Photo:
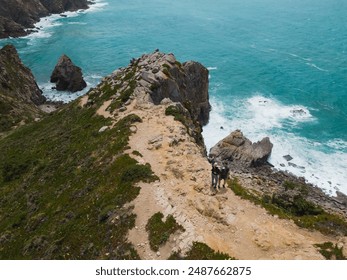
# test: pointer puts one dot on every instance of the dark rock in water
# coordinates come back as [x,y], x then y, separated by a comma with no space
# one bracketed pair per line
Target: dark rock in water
[288,157]
[299,112]
[67,76]
[295,165]
[242,151]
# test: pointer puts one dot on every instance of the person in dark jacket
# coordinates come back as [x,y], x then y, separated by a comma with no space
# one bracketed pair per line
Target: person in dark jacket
[215,175]
[224,172]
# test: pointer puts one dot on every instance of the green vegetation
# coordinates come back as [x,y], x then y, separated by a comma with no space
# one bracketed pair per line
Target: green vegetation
[64,187]
[159,231]
[180,114]
[304,213]
[201,251]
[137,153]
[107,91]
[331,251]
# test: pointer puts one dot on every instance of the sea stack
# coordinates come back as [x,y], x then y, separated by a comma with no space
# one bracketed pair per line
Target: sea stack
[67,76]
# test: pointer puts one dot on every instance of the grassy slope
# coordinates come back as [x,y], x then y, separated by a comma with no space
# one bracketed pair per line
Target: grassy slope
[63,186]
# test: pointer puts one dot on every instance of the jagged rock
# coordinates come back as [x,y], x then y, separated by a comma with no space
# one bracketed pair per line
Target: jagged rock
[67,76]
[166,78]
[242,151]
[288,157]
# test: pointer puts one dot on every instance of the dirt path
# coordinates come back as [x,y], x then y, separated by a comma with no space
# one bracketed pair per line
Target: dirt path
[223,221]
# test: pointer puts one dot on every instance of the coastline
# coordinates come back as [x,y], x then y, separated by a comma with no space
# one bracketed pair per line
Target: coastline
[14,29]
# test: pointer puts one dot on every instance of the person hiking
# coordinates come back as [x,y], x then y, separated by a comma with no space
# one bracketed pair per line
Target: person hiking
[224,172]
[215,175]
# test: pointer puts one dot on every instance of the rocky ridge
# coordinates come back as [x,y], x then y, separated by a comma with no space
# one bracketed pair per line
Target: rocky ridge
[17,16]
[159,78]
[220,219]
[20,96]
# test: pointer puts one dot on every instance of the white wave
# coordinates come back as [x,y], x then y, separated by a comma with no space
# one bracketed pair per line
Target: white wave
[298,56]
[338,144]
[97,6]
[258,117]
[53,95]
[326,170]
[315,66]
[212,68]
[44,28]
[269,113]
[77,23]
[64,96]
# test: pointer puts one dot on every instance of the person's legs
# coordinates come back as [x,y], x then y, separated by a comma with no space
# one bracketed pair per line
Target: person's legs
[214,180]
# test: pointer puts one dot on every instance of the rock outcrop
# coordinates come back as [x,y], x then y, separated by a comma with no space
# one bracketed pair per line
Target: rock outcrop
[159,77]
[19,93]
[67,76]
[241,151]
[17,16]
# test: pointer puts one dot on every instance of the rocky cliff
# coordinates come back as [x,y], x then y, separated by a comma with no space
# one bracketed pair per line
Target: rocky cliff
[19,93]
[17,16]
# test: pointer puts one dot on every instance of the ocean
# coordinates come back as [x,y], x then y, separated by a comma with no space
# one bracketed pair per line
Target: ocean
[278,68]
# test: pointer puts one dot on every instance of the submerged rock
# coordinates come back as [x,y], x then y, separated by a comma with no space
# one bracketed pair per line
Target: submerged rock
[67,76]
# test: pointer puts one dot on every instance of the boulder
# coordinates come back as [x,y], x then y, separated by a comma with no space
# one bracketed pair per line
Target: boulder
[67,76]
[237,148]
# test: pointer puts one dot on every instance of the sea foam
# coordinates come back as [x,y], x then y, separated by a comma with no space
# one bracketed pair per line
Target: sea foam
[322,164]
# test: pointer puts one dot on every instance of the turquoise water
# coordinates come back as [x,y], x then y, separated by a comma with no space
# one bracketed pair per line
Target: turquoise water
[277,68]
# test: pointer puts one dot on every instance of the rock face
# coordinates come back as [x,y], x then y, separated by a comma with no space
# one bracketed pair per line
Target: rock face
[19,93]
[242,151]
[161,77]
[16,16]
[67,76]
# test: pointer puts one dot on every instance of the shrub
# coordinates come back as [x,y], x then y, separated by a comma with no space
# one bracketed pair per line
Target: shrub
[159,231]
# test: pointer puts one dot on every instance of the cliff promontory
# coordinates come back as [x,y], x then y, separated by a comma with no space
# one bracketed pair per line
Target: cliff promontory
[19,93]
[17,16]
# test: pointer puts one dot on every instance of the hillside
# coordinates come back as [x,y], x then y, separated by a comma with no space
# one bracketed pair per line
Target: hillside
[122,173]
[17,16]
